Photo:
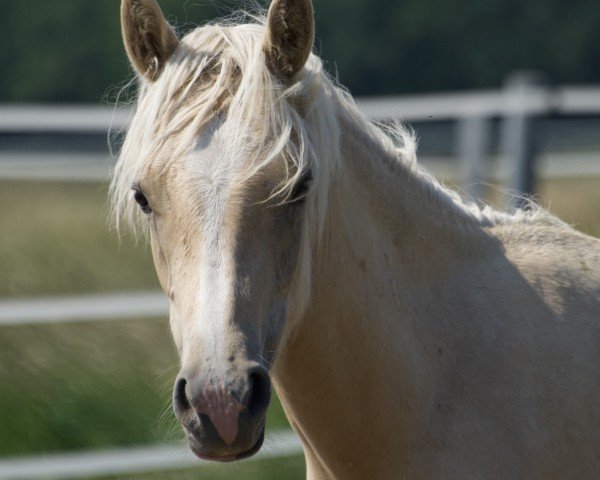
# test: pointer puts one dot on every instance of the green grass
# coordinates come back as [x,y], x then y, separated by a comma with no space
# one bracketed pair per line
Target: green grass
[55,240]
[71,387]
[107,384]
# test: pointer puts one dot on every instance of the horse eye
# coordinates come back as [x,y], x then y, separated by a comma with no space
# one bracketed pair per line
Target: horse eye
[301,189]
[142,201]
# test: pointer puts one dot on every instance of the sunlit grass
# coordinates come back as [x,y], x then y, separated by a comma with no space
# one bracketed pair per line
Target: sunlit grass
[574,200]
[55,240]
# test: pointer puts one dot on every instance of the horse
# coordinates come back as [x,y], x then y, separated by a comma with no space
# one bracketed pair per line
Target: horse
[408,333]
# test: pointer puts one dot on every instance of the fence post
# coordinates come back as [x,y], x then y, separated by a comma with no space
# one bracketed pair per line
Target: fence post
[517,142]
[474,139]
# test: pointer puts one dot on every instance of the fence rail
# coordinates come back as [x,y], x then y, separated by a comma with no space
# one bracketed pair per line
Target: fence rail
[530,99]
[128,460]
[522,98]
[83,308]
[61,119]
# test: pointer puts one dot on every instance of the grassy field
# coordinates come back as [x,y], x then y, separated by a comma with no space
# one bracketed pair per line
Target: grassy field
[83,386]
[70,387]
[55,239]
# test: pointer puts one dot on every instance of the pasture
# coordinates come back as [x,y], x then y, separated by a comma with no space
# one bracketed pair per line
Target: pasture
[109,383]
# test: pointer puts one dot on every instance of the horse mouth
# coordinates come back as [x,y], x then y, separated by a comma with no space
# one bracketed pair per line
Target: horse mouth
[230,458]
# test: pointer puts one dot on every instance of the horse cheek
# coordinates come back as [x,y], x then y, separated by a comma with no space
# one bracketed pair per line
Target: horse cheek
[160,264]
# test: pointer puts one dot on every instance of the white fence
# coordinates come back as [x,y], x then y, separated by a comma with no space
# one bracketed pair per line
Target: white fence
[473,112]
[83,308]
[530,99]
[127,460]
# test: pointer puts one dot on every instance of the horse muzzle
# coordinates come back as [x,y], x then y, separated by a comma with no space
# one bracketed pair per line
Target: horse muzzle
[223,418]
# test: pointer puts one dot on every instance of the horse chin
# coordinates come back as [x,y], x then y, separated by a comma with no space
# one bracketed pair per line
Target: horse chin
[228,458]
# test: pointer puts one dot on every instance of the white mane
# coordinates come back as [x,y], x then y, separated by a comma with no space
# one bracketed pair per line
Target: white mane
[222,67]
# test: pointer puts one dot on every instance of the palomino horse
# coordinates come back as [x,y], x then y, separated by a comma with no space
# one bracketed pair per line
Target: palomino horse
[408,334]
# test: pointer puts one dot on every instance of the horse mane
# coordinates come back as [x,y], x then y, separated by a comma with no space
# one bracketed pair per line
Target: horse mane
[221,68]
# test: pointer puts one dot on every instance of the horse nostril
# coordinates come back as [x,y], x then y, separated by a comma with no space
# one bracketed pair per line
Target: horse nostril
[259,391]
[181,404]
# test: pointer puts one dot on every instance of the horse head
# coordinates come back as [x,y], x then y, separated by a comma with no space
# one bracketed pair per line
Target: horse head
[221,166]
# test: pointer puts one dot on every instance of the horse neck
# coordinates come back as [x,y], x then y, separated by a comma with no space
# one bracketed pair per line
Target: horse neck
[359,361]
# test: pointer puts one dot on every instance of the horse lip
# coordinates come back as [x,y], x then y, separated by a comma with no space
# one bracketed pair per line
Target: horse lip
[231,458]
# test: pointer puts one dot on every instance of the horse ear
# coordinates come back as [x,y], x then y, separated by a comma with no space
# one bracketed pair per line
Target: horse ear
[290,36]
[149,40]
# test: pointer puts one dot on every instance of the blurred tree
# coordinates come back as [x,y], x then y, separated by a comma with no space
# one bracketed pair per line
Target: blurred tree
[70,50]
